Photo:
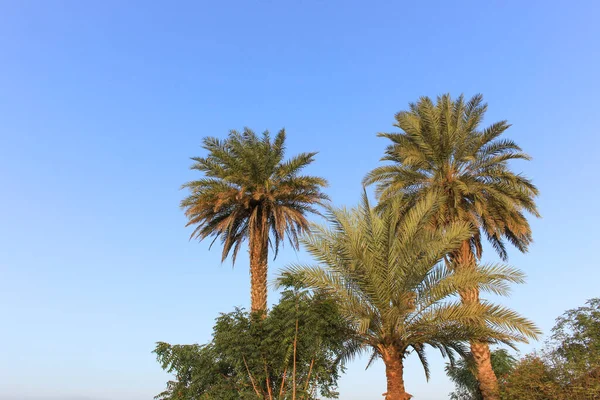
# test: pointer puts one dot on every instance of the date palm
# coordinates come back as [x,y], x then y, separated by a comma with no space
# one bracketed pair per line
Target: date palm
[442,149]
[385,270]
[250,192]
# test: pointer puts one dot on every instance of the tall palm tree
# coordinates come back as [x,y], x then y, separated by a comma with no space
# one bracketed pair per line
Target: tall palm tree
[442,149]
[250,192]
[385,270]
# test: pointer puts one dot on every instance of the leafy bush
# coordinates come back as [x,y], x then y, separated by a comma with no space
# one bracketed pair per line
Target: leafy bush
[531,379]
[295,352]
[569,367]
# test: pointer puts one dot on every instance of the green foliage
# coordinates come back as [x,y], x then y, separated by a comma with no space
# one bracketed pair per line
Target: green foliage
[250,357]
[569,367]
[532,379]
[442,149]
[248,185]
[462,373]
[575,341]
[384,270]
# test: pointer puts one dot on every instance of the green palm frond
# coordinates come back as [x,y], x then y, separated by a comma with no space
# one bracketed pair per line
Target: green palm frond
[248,183]
[389,278]
[441,148]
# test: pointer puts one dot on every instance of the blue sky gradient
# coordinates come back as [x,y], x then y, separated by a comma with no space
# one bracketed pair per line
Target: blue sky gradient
[103,103]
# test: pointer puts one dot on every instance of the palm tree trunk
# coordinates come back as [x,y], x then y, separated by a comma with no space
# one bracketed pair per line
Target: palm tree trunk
[394,370]
[488,382]
[259,253]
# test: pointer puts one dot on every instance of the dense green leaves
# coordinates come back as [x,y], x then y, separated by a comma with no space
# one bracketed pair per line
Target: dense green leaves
[301,344]
[533,379]
[575,340]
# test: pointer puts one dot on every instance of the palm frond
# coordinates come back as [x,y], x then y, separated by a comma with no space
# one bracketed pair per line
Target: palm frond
[441,148]
[388,275]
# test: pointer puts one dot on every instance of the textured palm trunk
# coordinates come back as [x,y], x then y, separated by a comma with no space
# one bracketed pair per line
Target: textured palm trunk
[394,371]
[488,382]
[259,253]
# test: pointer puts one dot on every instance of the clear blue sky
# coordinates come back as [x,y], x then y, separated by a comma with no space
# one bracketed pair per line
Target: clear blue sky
[102,103]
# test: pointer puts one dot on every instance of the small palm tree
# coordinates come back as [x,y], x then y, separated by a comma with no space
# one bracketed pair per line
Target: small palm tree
[441,149]
[385,271]
[250,192]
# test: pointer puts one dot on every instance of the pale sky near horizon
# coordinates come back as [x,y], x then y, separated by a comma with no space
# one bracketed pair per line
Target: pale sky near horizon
[103,102]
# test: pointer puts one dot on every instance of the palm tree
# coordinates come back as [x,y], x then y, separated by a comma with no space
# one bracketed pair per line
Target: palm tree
[385,272]
[442,149]
[250,192]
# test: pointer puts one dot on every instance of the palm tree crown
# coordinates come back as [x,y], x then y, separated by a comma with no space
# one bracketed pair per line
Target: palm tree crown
[250,192]
[441,148]
[385,270]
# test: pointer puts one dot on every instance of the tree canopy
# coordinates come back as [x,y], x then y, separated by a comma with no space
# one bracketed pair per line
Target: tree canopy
[298,351]
[442,148]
